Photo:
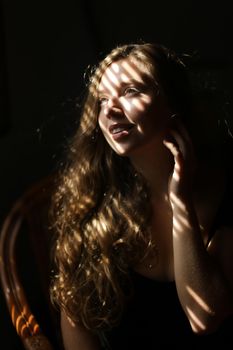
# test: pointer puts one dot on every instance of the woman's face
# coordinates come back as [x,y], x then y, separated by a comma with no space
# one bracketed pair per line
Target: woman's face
[133,113]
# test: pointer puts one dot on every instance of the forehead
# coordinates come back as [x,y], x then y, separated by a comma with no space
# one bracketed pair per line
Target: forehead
[124,71]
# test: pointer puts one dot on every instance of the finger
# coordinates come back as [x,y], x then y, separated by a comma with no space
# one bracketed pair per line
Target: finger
[173,148]
[177,159]
[184,144]
[177,124]
[179,142]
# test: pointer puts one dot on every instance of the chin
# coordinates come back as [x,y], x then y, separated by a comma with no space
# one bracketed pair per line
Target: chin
[129,152]
[122,152]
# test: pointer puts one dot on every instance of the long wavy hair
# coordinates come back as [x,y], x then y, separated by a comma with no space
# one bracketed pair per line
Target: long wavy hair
[101,207]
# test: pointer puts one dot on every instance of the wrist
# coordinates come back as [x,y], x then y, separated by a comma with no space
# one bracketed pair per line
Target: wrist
[182,200]
[184,212]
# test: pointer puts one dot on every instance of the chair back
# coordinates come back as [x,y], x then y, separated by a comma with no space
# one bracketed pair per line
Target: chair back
[25,268]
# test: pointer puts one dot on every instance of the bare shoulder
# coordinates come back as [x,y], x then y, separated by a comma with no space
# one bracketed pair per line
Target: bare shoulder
[76,337]
[220,247]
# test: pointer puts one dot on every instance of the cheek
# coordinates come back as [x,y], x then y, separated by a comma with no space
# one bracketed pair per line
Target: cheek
[157,113]
[137,109]
[103,126]
[101,122]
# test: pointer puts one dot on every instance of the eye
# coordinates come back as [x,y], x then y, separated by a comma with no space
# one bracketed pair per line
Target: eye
[103,101]
[131,91]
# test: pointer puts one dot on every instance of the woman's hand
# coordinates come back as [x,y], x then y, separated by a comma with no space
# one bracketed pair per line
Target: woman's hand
[179,143]
[203,277]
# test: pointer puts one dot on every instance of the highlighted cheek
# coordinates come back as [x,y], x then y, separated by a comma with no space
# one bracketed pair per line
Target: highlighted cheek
[139,105]
[126,105]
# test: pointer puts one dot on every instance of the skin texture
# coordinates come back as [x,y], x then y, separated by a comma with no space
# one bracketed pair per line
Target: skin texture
[137,122]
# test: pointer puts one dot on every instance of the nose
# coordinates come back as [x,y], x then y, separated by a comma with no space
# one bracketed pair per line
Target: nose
[113,108]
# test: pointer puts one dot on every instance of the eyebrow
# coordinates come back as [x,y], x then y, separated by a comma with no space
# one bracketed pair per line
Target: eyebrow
[123,84]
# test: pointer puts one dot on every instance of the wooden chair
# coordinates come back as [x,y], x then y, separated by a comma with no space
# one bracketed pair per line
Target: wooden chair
[25,268]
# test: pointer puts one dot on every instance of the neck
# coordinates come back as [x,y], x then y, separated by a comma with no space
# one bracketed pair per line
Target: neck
[155,163]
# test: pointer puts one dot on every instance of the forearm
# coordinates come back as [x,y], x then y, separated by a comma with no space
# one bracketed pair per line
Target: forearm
[202,289]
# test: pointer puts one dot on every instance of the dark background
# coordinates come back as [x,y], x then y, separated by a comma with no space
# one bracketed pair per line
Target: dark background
[45,47]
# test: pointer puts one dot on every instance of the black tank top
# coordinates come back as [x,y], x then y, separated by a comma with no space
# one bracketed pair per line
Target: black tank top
[154,319]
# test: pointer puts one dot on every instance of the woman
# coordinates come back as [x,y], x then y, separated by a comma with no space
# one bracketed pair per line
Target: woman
[142,254]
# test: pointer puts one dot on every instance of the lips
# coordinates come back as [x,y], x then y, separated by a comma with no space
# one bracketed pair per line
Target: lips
[119,128]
